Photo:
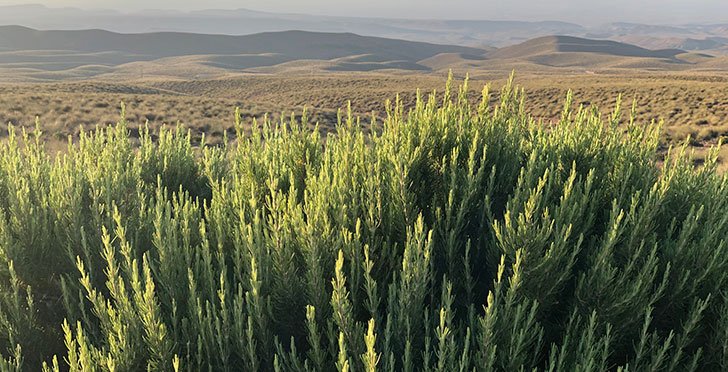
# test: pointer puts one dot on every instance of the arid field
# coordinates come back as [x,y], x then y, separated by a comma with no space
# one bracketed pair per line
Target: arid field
[689,104]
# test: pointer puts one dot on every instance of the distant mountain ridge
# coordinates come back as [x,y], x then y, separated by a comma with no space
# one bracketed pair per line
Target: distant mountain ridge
[473,33]
[295,44]
[712,43]
[26,53]
[245,21]
[89,53]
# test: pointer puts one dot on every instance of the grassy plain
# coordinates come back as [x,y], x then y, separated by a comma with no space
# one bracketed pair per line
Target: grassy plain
[690,103]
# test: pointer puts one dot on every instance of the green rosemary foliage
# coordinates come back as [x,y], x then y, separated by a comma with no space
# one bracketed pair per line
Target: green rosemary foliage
[447,237]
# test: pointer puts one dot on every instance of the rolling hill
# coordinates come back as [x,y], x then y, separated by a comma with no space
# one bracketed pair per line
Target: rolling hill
[59,54]
[556,53]
[474,33]
[708,44]
[478,33]
[296,44]
[35,55]
[569,44]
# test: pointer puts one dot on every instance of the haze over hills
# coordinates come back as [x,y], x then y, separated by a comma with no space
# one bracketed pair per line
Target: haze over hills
[298,44]
[28,54]
[244,21]
[39,43]
[96,52]
[460,32]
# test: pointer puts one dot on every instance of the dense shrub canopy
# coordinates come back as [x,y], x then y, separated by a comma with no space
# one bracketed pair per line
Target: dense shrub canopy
[446,238]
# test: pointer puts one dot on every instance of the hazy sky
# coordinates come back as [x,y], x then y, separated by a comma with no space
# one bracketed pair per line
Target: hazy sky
[580,11]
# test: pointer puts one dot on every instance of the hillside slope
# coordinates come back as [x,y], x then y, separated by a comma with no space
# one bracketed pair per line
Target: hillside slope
[28,54]
[244,21]
[296,44]
[569,44]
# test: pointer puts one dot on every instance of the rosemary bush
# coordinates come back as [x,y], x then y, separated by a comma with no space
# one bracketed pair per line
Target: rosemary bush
[449,237]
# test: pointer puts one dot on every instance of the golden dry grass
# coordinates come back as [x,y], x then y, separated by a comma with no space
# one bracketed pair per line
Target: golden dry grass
[691,104]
